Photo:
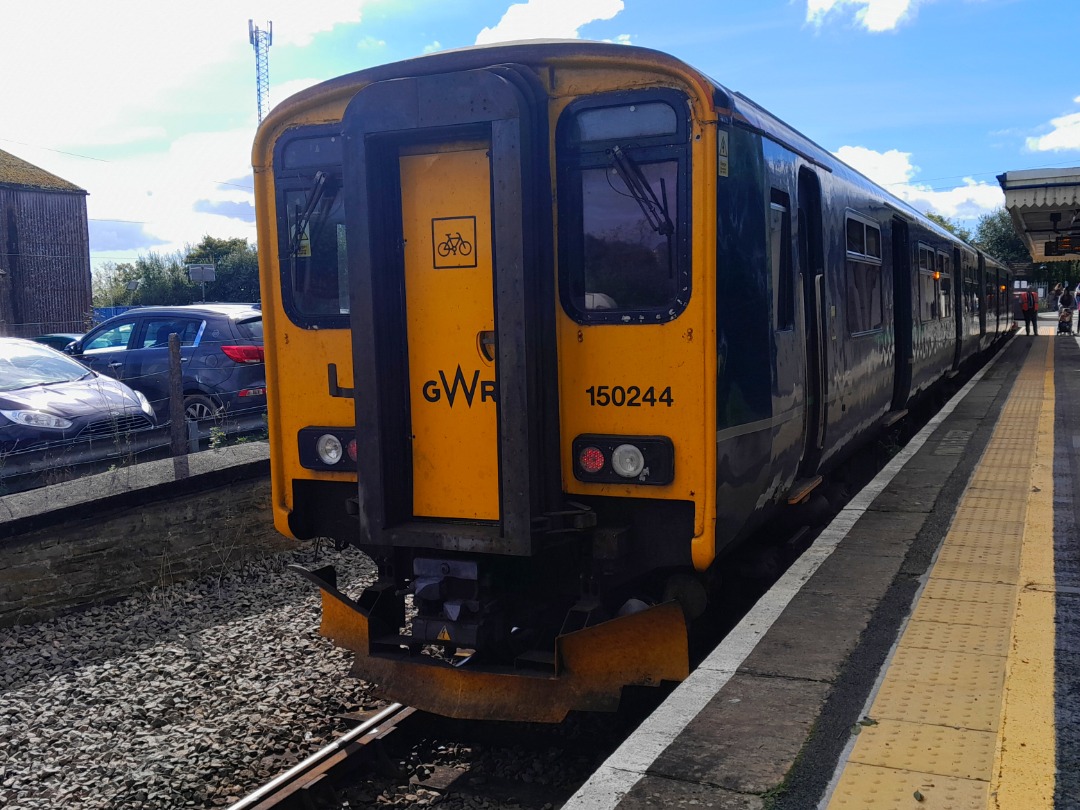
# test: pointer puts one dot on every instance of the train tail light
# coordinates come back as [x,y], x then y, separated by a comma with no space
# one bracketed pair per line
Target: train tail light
[591,460]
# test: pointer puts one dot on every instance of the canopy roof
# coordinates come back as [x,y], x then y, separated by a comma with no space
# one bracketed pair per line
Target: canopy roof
[1045,208]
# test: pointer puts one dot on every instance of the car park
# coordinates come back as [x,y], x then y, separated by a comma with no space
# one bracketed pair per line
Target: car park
[53,407]
[221,356]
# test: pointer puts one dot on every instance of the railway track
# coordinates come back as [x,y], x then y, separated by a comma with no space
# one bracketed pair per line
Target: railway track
[292,787]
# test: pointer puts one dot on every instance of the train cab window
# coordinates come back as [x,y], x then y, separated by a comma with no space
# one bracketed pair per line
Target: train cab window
[780,257]
[311,229]
[929,306]
[623,170]
[864,307]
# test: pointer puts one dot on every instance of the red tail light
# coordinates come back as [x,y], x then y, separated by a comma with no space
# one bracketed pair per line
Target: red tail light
[244,354]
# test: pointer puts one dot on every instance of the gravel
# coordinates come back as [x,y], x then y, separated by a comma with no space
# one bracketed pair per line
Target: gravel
[195,695]
[187,697]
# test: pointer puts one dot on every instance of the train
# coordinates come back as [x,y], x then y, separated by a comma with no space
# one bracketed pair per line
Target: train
[553,326]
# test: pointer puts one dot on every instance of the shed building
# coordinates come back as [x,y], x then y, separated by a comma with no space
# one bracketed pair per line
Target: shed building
[44,252]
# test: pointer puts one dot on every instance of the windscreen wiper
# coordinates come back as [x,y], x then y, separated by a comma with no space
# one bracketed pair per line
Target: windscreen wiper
[321,186]
[654,208]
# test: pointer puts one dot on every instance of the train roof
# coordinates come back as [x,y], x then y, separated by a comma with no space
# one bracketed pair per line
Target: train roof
[729,104]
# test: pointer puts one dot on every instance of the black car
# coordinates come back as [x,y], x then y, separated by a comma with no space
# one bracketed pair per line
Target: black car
[221,352]
[57,340]
[51,404]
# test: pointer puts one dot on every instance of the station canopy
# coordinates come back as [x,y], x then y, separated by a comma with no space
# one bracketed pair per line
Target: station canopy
[1045,208]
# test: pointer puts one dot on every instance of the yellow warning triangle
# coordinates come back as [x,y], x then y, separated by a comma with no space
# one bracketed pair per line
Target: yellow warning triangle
[444,635]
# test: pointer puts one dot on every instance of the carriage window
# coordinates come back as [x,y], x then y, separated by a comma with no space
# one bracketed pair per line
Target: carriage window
[622,212]
[864,306]
[780,255]
[929,306]
[945,286]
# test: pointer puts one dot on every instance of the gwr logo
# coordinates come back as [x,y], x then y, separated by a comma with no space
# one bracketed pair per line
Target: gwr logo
[435,389]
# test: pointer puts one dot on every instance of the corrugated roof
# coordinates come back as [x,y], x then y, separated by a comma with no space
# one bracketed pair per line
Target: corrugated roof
[1045,208]
[17,172]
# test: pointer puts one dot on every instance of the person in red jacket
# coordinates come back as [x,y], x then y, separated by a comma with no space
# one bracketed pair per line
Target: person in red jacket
[1029,305]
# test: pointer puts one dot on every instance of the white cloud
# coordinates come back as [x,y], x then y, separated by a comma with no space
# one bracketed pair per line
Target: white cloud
[161,192]
[1064,136]
[548,19]
[89,82]
[873,15]
[884,168]
[894,171]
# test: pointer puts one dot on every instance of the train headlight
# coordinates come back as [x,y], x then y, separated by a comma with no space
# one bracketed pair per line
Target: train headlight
[328,446]
[627,461]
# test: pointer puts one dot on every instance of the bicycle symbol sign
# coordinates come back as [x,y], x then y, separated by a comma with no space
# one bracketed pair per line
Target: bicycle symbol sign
[453,242]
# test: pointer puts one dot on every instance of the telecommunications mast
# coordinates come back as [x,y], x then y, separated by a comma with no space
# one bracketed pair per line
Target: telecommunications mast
[261,41]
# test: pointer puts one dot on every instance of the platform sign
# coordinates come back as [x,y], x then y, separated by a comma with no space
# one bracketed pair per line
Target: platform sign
[1064,245]
[201,272]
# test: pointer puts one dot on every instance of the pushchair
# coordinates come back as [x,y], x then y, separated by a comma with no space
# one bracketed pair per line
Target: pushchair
[1065,318]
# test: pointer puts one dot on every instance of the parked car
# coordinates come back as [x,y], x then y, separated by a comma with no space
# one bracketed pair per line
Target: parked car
[221,351]
[58,340]
[52,403]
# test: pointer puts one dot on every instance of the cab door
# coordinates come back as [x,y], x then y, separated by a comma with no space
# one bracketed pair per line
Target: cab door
[450,323]
[452,290]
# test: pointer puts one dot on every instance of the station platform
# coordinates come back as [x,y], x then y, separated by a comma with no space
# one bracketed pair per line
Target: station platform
[924,652]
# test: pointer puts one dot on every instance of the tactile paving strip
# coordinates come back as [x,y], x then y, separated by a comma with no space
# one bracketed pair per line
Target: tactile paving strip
[941,750]
[972,638]
[869,787]
[939,707]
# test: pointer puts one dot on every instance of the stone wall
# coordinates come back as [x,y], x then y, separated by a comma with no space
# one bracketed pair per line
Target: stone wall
[108,536]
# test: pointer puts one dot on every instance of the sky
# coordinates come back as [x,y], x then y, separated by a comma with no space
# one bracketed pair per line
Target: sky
[152,109]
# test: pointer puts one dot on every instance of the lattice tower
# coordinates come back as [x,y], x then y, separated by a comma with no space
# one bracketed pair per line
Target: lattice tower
[261,41]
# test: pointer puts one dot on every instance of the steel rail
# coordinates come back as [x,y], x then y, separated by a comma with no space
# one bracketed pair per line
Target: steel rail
[318,764]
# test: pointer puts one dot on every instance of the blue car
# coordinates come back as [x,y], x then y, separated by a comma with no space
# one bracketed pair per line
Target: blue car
[221,352]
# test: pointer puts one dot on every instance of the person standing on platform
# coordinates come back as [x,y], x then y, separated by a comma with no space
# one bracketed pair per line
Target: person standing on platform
[1066,308]
[1029,305]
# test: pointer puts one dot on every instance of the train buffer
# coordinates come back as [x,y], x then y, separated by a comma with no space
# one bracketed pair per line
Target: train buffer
[924,652]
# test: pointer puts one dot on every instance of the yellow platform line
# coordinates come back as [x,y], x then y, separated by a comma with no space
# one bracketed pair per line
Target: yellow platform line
[949,726]
[1024,765]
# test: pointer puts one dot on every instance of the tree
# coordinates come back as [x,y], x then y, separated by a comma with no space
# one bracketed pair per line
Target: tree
[163,279]
[237,268]
[955,228]
[996,235]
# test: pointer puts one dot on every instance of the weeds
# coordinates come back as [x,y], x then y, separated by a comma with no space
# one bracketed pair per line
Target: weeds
[218,437]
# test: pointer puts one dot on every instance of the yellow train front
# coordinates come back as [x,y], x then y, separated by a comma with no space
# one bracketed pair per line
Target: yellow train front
[536,315]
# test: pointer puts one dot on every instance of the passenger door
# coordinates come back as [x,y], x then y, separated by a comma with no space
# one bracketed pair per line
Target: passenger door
[812,279]
[903,318]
